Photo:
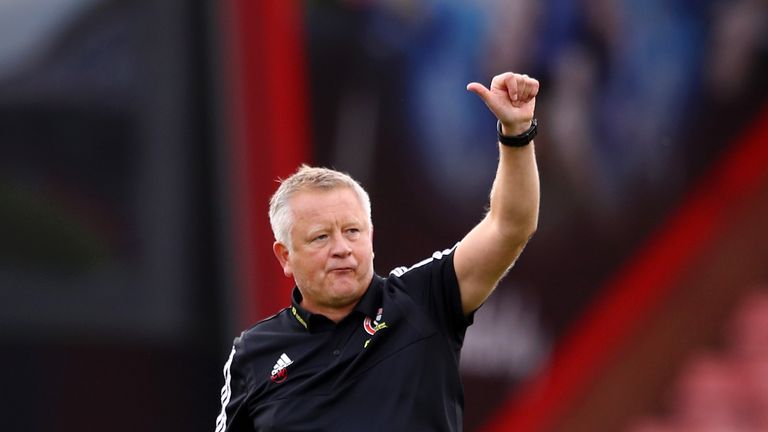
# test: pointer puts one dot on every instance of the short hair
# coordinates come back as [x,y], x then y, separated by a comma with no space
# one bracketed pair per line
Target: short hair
[308,178]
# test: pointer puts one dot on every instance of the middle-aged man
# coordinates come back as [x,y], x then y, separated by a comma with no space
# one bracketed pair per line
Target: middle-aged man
[359,352]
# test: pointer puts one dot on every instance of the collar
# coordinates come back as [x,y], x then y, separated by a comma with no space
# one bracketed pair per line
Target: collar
[368,305]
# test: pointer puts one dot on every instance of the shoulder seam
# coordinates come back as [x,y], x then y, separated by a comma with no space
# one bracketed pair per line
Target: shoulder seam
[399,271]
[262,321]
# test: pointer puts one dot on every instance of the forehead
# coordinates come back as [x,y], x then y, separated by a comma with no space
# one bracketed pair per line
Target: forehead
[319,203]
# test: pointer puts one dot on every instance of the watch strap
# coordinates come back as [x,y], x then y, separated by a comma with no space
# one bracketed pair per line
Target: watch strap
[518,140]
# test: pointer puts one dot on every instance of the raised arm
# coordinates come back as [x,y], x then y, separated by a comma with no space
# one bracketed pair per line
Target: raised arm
[488,251]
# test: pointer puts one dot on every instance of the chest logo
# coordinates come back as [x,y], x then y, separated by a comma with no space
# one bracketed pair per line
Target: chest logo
[279,371]
[372,326]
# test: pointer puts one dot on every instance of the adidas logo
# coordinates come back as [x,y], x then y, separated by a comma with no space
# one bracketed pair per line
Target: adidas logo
[279,373]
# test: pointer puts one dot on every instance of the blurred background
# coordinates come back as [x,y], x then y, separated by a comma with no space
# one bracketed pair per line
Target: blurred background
[141,140]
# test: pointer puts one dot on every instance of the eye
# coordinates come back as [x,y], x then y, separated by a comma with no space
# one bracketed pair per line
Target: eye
[320,237]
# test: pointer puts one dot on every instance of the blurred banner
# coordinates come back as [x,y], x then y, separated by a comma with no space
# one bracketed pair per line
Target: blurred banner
[97,176]
[108,261]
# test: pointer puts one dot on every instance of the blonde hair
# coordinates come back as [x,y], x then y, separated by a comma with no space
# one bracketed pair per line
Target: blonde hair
[308,178]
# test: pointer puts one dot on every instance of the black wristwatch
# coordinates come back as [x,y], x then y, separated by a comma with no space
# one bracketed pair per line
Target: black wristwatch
[518,140]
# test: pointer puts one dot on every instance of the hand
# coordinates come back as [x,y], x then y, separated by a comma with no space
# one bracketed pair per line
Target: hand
[512,99]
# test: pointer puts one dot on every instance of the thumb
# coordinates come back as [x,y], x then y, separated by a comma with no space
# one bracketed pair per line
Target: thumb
[479,90]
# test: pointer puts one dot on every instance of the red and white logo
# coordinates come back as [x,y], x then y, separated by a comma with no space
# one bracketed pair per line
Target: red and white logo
[279,371]
[376,325]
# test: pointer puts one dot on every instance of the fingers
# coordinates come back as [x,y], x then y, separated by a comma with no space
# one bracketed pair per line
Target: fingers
[532,88]
[513,87]
[510,96]
[521,88]
[505,83]
[518,87]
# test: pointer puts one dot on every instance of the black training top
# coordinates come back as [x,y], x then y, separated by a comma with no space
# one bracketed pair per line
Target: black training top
[391,365]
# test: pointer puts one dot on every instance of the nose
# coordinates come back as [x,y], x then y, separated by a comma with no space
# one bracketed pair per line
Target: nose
[340,246]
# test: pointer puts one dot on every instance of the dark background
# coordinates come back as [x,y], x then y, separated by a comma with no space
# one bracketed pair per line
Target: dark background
[117,276]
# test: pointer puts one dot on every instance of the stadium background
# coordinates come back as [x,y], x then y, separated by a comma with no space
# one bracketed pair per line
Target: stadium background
[140,140]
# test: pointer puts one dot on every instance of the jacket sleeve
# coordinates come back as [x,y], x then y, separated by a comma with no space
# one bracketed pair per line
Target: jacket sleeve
[433,284]
[234,411]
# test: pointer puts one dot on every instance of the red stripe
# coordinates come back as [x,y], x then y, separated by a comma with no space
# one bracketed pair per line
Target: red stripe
[269,127]
[637,289]
[286,129]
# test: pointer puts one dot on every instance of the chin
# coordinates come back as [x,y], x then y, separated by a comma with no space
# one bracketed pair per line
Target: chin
[346,291]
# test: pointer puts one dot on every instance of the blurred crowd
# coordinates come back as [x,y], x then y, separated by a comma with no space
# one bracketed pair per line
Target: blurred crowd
[722,390]
[622,81]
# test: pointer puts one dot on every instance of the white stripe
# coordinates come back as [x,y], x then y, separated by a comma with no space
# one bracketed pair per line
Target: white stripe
[399,271]
[226,393]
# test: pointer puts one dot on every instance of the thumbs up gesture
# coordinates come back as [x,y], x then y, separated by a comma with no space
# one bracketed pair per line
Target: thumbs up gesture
[511,98]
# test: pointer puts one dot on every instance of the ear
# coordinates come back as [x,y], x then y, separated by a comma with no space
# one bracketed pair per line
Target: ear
[283,256]
[373,254]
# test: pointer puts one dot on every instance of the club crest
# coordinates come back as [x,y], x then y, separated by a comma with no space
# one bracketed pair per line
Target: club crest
[372,326]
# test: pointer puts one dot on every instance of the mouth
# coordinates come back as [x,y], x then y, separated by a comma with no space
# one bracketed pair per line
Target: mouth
[341,270]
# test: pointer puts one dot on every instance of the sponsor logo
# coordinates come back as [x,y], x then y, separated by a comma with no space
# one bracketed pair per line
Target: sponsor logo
[298,317]
[279,371]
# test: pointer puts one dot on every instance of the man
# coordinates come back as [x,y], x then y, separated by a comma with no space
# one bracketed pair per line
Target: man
[358,352]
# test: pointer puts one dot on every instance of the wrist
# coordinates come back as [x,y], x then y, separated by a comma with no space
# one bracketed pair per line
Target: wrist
[513,129]
[519,139]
